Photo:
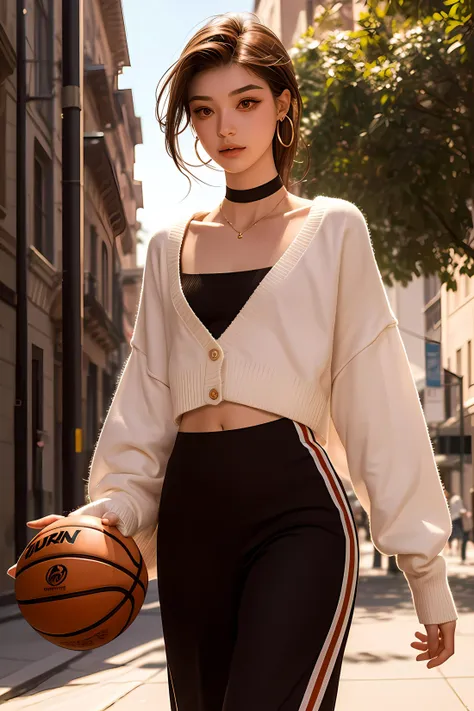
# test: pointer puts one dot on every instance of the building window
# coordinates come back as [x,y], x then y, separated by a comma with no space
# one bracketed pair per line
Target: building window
[451,444]
[433,315]
[3,148]
[107,392]
[93,259]
[451,394]
[459,362]
[37,411]
[92,419]
[43,204]
[455,301]
[431,287]
[93,252]
[43,48]
[91,274]
[105,277]
[469,363]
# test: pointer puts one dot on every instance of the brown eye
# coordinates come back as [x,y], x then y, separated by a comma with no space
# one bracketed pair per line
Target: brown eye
[205,108]
[251,101]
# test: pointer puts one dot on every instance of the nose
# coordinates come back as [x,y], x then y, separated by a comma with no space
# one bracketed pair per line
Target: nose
[224,127]
[223,132]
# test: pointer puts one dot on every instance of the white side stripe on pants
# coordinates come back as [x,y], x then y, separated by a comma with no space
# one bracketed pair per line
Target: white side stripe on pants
[325,664]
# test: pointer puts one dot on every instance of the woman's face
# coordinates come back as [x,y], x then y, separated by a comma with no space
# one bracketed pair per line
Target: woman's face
[226,114]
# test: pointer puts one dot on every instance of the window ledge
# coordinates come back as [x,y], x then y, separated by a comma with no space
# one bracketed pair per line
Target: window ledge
[42,267]
[7,242]
[7,55]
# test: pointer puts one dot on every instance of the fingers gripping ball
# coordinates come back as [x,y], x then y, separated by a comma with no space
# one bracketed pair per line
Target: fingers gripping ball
[80,584]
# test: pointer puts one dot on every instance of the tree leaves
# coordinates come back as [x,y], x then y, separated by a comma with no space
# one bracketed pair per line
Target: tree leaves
[389,117]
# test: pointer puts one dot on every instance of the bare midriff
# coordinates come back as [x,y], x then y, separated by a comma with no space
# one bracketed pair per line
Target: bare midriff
[224,416]
[202,252]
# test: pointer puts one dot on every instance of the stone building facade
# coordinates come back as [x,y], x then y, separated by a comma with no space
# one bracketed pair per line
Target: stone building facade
[111,199]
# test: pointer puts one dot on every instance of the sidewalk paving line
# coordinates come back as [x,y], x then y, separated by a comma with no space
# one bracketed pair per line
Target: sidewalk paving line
[32,674]
[9,612]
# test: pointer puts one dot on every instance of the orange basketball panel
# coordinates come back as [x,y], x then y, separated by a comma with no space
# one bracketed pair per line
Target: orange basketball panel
[59,577]
[71,614]
[102,633]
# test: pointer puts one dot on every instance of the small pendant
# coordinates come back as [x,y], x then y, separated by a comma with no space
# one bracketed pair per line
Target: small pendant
[239,236]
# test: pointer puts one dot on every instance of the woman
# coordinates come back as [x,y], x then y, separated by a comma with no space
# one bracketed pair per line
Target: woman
[264,342]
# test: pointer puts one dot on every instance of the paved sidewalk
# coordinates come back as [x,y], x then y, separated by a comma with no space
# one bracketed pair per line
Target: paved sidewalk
[95,680]
[379,672]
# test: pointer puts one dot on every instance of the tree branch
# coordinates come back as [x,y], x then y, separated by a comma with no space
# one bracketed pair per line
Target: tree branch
[454,237]
[442,117]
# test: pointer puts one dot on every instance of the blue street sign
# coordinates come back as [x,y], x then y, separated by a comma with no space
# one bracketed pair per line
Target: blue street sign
[433,364]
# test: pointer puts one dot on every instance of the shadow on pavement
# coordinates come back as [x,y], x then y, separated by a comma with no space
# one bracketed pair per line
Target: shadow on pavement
[141,646]
[386,595]
[382,597]
[462,587]
[367,658]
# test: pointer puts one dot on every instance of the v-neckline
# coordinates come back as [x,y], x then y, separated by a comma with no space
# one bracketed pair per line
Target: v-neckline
[274,276]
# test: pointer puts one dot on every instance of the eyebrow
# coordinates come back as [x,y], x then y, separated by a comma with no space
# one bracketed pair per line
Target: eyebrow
[231,93]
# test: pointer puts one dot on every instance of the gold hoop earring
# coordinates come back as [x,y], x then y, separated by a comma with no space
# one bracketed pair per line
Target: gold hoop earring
[286,145]
[196,152]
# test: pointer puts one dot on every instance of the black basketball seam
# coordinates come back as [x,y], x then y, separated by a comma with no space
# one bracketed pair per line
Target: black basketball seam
[81,555]
[126,597]
[78,593]
[93,528]
[131,591]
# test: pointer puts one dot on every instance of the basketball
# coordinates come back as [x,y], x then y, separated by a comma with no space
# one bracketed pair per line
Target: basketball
[80,584]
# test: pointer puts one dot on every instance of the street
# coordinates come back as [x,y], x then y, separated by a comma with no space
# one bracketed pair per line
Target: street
[379,671]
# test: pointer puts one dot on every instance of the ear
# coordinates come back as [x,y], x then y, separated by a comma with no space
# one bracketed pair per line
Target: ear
[283,103]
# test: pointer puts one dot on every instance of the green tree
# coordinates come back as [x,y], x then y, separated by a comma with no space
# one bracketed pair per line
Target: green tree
[389,115]
[454,16]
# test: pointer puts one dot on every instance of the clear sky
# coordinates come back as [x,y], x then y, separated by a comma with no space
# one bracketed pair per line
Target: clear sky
[157,32]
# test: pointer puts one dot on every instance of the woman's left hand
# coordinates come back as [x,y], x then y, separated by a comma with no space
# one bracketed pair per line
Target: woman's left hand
[437,644]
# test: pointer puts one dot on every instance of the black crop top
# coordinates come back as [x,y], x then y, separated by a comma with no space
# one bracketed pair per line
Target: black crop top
[217,298]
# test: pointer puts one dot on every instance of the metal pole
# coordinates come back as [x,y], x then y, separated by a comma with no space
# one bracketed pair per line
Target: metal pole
[21,359]
[72,248]
[461,432]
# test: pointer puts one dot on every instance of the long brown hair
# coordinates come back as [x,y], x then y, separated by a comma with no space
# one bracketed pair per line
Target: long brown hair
[232,38]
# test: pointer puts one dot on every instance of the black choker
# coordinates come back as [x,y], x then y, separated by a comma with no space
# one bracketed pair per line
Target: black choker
[258,193]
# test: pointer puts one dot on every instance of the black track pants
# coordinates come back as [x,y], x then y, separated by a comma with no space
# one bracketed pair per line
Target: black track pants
[257,570]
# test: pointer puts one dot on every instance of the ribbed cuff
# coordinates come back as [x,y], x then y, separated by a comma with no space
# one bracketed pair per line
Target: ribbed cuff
[128,523]
[432,598]
[146,542]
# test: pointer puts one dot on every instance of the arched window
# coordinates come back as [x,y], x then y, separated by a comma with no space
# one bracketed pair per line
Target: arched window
[105,277]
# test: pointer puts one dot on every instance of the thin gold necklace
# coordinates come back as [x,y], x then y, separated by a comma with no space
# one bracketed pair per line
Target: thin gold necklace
[241,232]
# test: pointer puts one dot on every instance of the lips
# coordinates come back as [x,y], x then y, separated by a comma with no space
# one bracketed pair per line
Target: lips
[233,148]
[232,153]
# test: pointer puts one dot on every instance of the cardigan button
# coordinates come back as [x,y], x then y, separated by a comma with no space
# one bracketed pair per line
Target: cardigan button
[214,354]
[213,394]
